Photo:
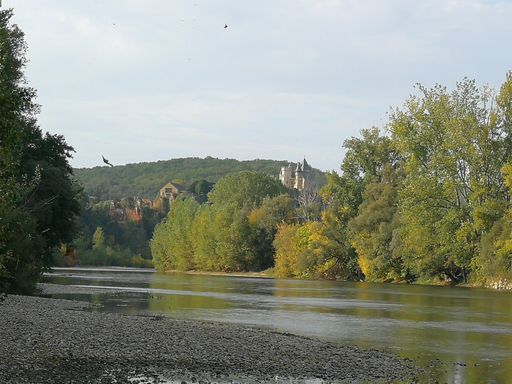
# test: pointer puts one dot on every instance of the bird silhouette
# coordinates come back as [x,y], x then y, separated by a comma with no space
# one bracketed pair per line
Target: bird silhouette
[225,26]
[106,161]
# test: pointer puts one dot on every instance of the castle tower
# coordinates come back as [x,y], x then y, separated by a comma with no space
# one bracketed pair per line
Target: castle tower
[287,176]
[296,177]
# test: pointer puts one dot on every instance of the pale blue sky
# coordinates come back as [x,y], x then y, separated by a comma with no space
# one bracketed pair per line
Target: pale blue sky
[152,80]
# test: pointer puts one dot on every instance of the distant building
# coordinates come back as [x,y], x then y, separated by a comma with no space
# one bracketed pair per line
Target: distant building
[128,209]
[167,194]
[297,176]
[171,191]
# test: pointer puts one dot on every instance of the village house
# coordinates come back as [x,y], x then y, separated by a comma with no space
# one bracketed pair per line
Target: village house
[171,191]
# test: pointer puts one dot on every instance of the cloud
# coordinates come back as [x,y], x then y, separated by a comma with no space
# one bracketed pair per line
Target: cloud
[151,79]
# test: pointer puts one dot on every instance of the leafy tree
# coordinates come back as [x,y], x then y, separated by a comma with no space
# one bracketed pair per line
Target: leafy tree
[98,239]
[200,190]
[231,233]
[20,242]
[309,250]
[39,197]
[245,189]
[264,222]
[364,163]
[289,251]
[172,243]
[203,233]
[493,265]
[453,148]
[373,230]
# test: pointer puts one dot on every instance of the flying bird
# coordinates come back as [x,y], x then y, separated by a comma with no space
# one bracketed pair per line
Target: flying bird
[225,26]
[106,161]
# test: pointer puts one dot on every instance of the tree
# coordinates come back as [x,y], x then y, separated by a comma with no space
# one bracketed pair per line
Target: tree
[373,230]
[264,222]
[172,245]
[98,238]
[493,265]
[20,242]
[39,197]
[365,160]
[200,190]
[309,204]
[454,145]
[288,251]
[245,189]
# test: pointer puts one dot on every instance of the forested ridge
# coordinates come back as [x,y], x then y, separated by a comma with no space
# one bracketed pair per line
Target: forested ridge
[145,179]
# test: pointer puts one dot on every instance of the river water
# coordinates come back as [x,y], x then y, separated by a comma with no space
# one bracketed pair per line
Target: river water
[464,335]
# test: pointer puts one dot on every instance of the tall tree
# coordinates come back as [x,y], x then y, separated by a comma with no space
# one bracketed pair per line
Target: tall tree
[454,146]
[364,162]
[39,196]
[245,189]
[373,230]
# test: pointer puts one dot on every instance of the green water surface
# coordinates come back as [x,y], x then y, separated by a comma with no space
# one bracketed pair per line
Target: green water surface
[463,335]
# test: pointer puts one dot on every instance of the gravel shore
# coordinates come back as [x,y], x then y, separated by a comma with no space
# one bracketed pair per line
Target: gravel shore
[60,341]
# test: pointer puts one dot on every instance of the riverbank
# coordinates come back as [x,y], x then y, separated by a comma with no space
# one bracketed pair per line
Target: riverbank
[53,340]
[260,275]
[501,285]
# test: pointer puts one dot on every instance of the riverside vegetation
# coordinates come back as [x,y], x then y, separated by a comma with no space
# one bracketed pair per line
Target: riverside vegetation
[38,197]
[428,199]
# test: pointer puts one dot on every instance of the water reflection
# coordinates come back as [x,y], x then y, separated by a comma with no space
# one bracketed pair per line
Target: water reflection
[468,330]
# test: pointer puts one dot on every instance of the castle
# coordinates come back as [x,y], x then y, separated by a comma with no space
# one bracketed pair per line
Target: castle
[297,176]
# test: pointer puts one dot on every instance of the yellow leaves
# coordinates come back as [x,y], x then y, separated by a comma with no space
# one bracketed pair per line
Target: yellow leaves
[362,244]
[364,264]
[306,251]
[256,216]
[287,250]
[504,247]
[506,171]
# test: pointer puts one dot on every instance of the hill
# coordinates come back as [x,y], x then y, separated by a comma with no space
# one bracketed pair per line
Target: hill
[145,179]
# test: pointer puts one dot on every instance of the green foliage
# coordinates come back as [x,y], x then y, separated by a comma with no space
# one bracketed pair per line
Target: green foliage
[38,203]
[431,201]
[454,146]
[289,251]
[364,164]
[428,202]
[233,232]
[98,228]
[107,254]
[20,245]
[200,190]
[172,245]
[494,262]
[264,222]
[373,229]
[98,239]
[310,250]
[145,179]
[493,265]
[245,189]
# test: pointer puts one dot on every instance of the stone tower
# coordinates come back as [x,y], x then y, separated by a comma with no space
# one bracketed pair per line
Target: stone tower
[296,176]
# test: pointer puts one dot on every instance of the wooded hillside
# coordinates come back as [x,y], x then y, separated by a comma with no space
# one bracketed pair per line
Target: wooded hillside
[145,179]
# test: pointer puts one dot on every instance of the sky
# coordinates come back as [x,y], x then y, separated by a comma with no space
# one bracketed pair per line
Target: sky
[148,80]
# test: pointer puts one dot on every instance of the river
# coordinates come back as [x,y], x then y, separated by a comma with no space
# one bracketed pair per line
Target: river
[464,335]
